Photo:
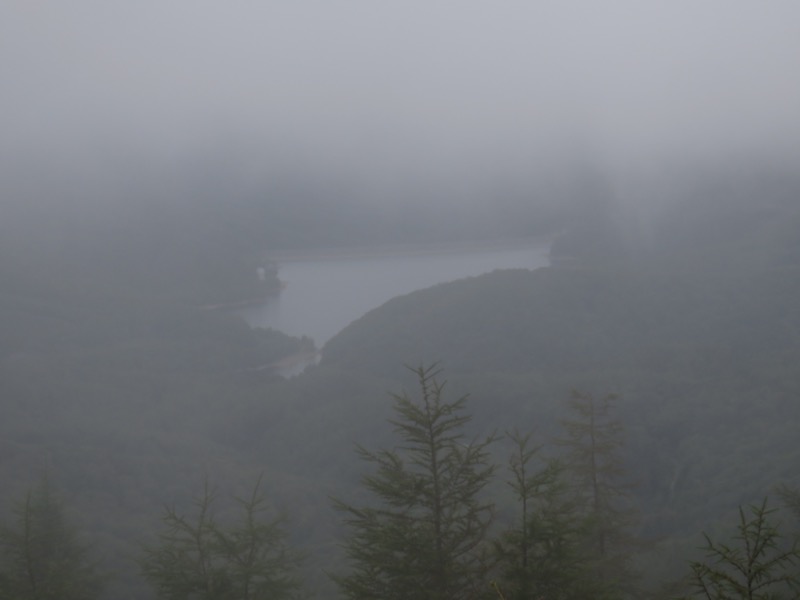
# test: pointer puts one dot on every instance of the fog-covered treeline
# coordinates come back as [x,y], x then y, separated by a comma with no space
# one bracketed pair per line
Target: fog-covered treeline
[156,157]
[130,402]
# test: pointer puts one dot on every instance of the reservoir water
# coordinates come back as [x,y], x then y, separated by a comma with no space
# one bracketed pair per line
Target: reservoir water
[324,294]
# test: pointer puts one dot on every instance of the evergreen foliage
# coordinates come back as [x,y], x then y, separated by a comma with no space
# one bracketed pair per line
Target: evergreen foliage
[199,558]
[41,557]
[136,394]
[759,566]
[425,534]
[592,440]
[791,498]
[542,555]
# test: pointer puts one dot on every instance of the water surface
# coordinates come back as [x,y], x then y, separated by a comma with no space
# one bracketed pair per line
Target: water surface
[325,294]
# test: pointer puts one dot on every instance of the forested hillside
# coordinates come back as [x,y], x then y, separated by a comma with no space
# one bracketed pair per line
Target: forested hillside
[695,326]
[224,374]
[129,393]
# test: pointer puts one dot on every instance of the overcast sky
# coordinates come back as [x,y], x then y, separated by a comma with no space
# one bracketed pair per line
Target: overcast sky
[401,88]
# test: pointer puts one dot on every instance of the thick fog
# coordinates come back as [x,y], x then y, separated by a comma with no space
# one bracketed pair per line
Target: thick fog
[187,187]
[400,100]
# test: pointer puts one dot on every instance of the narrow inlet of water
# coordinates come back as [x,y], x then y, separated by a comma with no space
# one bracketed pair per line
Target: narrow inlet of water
[323,295]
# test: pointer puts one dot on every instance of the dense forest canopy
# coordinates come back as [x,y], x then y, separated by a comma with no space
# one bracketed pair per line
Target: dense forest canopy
[120,382]
[620,424]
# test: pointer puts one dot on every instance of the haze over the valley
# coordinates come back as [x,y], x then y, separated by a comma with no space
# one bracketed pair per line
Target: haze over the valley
[583,214]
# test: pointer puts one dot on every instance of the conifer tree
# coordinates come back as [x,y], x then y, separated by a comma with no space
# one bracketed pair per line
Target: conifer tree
[41,556]
[592,440]
[791,498]
[759,566]
[423,536]
[197,557]
[542,555]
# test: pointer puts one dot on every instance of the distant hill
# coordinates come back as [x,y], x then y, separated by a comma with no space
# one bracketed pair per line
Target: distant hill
[698,331]
[737,292]
[114,379]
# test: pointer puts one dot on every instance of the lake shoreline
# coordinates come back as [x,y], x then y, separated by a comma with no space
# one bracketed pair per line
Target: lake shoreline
[328,293]
[401,250]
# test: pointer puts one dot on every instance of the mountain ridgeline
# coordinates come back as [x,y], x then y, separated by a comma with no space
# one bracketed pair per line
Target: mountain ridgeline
[696,328]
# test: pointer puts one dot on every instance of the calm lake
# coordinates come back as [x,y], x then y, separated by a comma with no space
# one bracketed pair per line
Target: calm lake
[324,294]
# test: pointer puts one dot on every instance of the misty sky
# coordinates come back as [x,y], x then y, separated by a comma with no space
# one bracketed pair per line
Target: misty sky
[400,89]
